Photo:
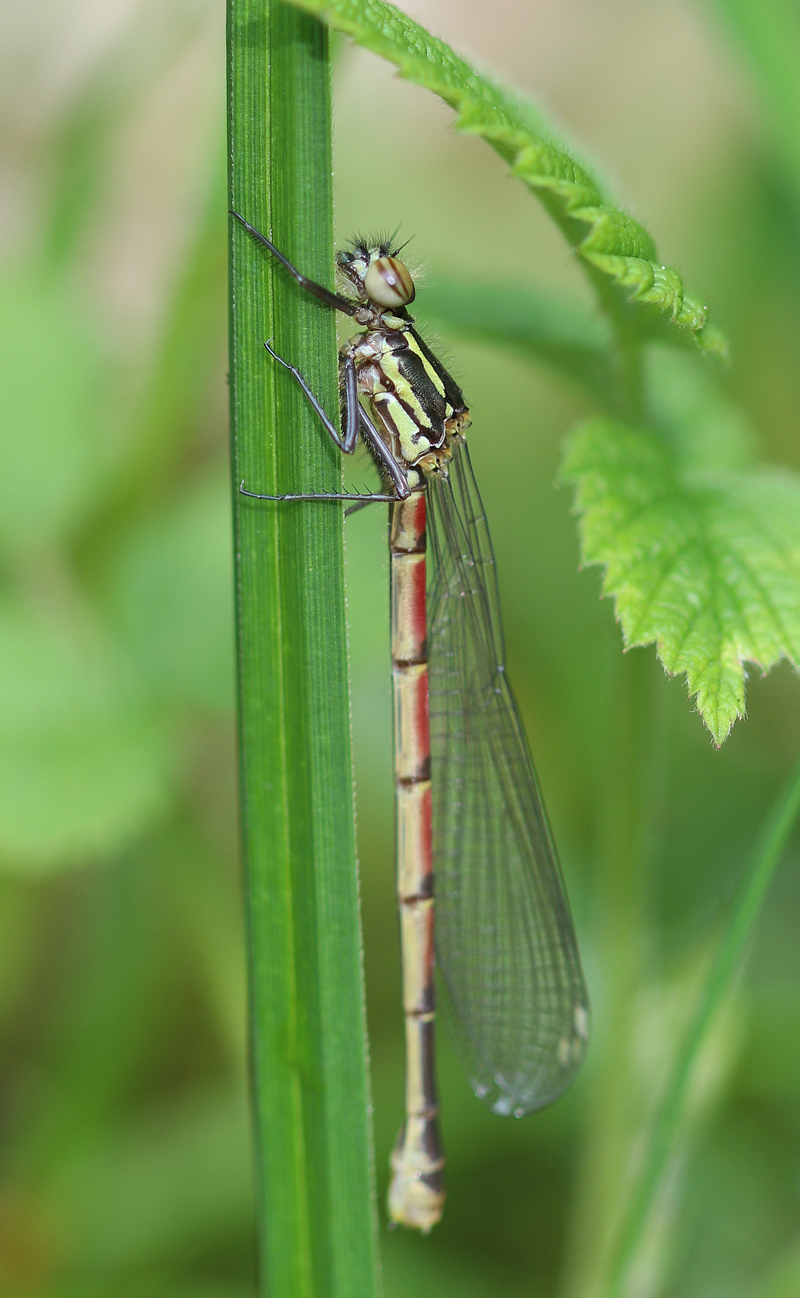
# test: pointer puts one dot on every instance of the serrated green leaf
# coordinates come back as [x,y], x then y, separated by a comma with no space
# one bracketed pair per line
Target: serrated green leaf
[707,566]
[616,250]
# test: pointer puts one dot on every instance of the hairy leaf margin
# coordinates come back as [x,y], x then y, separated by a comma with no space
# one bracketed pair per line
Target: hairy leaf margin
[704,565]
[617,252]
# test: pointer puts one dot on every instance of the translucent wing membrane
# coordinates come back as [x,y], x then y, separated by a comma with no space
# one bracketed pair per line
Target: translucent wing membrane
[505,946]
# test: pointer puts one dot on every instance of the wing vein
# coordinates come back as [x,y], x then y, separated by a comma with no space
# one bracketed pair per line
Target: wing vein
[515,996]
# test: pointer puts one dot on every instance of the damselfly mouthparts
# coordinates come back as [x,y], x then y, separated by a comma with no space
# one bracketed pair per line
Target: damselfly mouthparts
[468,805]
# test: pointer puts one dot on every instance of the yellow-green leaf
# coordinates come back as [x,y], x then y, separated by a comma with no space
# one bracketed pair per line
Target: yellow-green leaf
[706,565]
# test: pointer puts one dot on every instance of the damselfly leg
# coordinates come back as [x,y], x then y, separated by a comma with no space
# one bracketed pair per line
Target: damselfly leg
[346,444]
[355,416]
[324,294]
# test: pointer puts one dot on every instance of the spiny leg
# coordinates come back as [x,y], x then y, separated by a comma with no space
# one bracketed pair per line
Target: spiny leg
[335,300]
[347,444]
[355,417]
[323,495]
[382,453]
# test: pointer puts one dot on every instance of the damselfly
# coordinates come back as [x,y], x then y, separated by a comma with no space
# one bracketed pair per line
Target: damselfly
[468,807]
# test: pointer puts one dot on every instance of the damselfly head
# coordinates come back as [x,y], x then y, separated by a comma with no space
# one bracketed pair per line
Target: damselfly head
[377,274]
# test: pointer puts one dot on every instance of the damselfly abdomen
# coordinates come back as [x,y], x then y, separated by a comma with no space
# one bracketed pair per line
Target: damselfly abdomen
[469,813]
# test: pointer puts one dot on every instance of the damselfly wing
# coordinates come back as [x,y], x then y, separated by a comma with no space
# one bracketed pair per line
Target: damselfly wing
[505,944]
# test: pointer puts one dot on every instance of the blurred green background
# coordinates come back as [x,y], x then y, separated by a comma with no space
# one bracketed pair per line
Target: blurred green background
[125,1163]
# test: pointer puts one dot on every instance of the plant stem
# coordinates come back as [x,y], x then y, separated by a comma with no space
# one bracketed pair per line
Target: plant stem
[622,900]
[769,848]
[316,1215]
[627,345]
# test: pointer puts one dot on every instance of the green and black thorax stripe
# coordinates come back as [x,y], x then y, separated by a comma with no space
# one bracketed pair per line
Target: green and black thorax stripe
[415,400]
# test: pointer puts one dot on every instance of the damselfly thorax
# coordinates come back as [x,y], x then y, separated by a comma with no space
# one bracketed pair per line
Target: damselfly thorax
[468,806]
[416,404]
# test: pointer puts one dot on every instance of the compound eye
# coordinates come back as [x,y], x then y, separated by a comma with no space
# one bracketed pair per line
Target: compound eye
[389,283]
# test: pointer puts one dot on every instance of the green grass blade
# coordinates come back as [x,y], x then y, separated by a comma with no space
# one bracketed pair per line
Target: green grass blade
[313,1151]
[766,856]
[769,33]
